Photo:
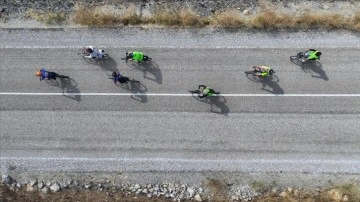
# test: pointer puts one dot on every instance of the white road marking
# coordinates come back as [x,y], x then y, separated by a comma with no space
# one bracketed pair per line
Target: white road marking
[177,95]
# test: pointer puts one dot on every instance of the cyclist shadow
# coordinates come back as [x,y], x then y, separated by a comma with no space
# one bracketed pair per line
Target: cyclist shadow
[316,67]
[108,64]
[271,82]
[148,68]
[218,105]
[69,86]
[138,89]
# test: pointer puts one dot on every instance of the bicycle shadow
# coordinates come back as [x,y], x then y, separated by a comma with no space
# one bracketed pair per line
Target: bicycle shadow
[218,105]
[271,82]
[69,86]
[148,67]
[108,64]
[316,67]
[138,89]
[312,66]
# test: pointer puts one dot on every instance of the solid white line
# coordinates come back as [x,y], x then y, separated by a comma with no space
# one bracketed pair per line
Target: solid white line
[180,95]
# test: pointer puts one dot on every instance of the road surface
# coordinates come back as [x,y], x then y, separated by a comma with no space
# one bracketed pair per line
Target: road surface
[304,119]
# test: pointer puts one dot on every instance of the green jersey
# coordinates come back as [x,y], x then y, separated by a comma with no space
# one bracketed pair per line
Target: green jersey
[138,56]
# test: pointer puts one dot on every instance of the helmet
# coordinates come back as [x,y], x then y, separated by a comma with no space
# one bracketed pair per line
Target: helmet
[38,73]
[271,71]
[318,53]
[89,50]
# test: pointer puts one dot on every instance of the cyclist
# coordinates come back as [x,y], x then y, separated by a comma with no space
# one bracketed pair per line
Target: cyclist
[43,74]
[205,91]
[94,52]
[136,56]
[263,70]
[118,78]
[312,54]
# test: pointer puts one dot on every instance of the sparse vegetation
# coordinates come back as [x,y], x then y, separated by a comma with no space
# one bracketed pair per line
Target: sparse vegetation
[49,18]
[266,17]
[229,19]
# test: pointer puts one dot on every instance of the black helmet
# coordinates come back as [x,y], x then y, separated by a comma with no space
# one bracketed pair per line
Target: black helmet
[318,54]
[271,71]
[89,50]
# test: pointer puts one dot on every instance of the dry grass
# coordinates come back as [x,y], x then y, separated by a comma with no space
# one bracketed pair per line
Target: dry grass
[93,17]
[267,16]
[183,17]
[229,19]
[48,18]
[269,19]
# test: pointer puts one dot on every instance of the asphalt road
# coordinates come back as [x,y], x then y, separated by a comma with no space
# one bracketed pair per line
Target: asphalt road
[304,119]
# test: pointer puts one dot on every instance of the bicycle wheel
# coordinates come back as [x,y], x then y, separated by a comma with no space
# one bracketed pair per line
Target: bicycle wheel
[252,76]
[194,91]
[134,81]
[62,76]
[296,60]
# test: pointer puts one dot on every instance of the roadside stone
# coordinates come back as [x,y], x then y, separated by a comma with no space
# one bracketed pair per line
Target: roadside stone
[149,195]
[335,194]
[41,185]
[55,187]
[18,185]
[283,194]
[145,191]
[197,197]
[45,190]
[191,192]
[6,179]
[87,186]
[181,196]
[290,190]
[64,185]
[274,190]
[296,192]
[32,182]
[137,186]
[345,198]
[29,188]
[48,184]
[234,198]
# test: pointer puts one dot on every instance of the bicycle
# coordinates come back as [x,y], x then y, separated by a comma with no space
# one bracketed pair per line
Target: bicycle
[145,58]
[83,53]
[256,76]
[124,79]
[300,57]
[61,76]
[198,92]
[43,74]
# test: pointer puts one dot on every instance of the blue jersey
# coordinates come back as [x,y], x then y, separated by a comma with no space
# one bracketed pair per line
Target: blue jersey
[44,74]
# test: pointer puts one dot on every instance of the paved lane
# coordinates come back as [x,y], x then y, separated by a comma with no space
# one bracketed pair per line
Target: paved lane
[177,133]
